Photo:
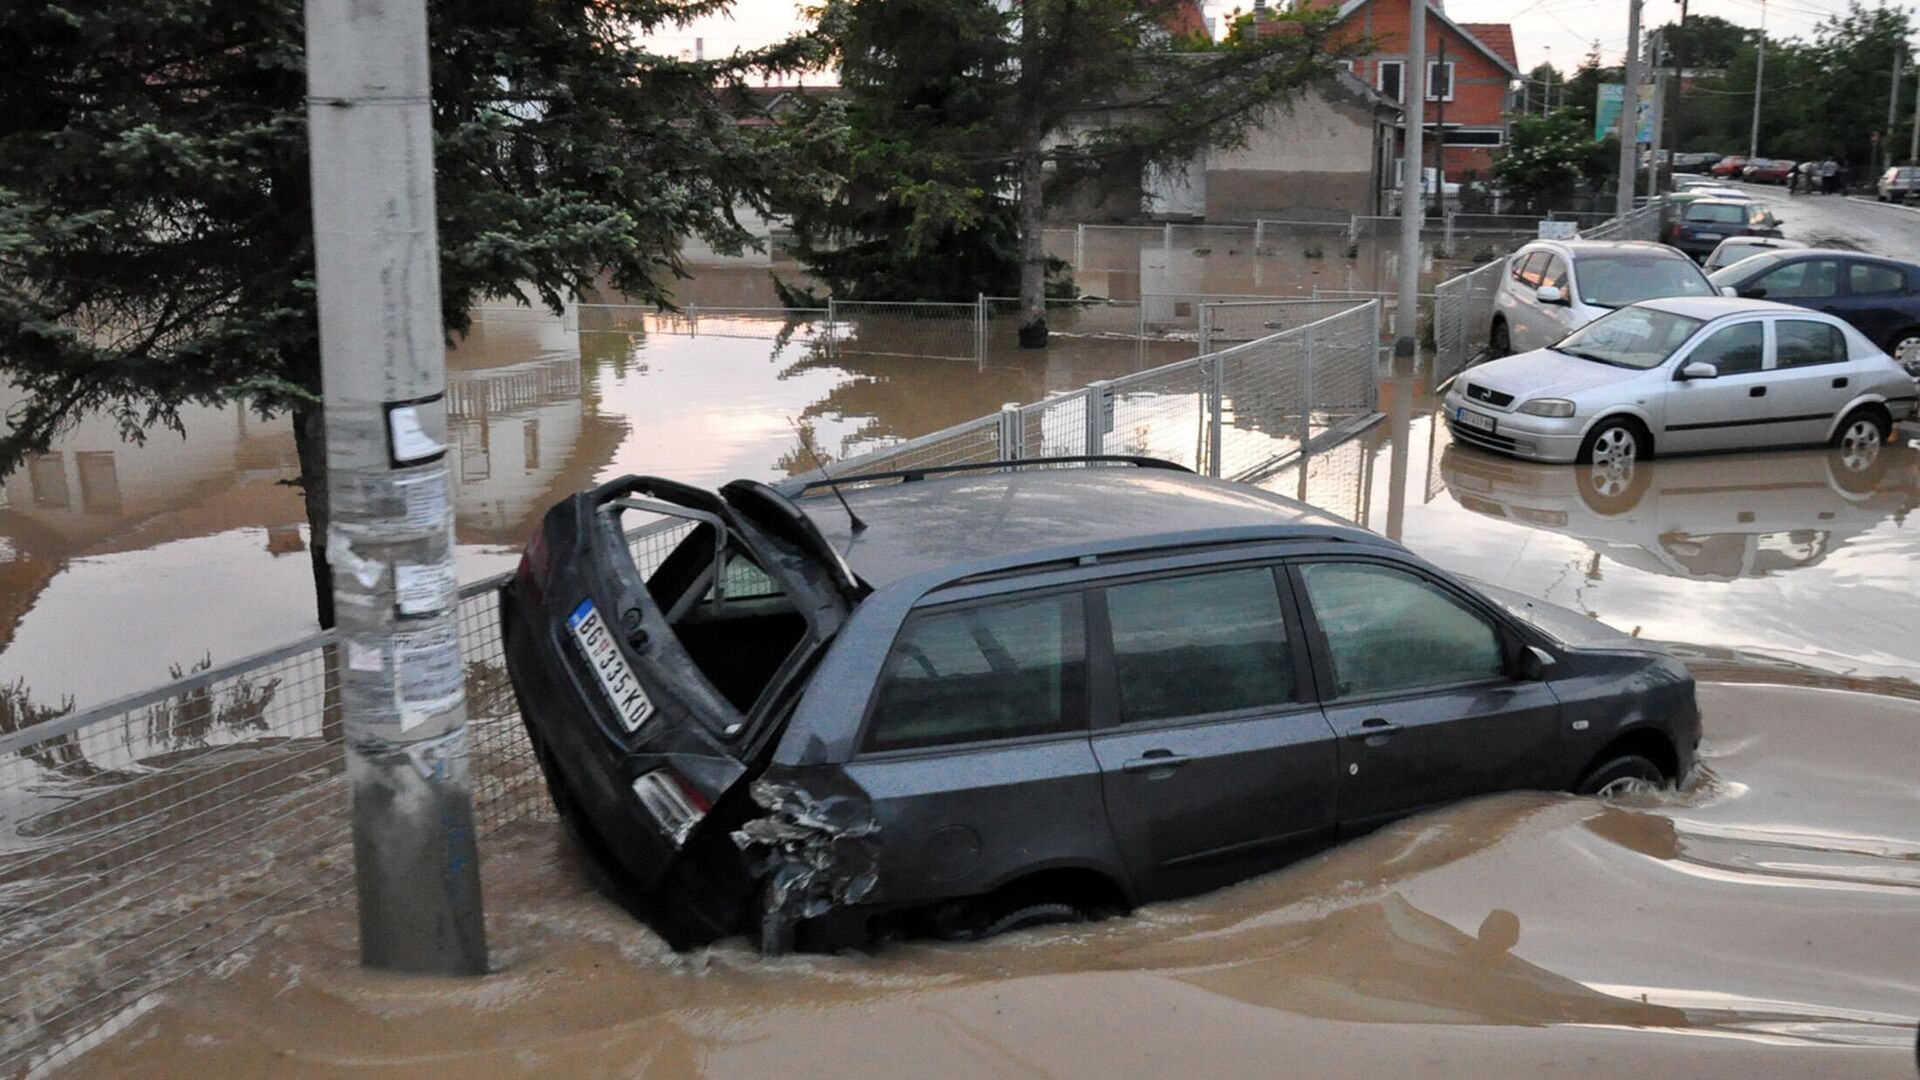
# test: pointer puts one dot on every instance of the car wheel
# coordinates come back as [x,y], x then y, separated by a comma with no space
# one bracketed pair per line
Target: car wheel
[1499,340]
[1614,442]
[1032,915]
[1905,348]
[1861,434]
[1623,775]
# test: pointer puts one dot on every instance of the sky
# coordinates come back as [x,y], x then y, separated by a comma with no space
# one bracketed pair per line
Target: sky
[1556,31]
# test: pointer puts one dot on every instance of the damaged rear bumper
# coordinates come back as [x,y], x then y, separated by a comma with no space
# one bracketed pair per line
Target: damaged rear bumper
[815,855]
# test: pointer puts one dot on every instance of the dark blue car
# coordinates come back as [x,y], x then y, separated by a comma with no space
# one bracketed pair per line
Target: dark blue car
[1879,297]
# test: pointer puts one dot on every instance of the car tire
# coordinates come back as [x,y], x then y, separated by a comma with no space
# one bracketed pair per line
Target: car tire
[1618,776]
[1617,439]
[1499,340]
[1906,341]
[1032,915]
[1862,427]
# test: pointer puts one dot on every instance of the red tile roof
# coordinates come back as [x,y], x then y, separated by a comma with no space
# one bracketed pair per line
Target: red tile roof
[1495,36]
[1186,20]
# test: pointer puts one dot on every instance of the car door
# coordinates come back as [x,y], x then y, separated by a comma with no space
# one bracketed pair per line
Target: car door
[1557,320]
[1212,752]
[1523,311]
[1812,380]
[974,751]
[1876,299]
[1418,680]
[1725,411]
[1808,283]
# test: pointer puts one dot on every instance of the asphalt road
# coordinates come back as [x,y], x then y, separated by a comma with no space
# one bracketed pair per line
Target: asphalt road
[1839,221]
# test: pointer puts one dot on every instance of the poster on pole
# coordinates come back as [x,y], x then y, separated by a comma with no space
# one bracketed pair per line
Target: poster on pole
[1606,118]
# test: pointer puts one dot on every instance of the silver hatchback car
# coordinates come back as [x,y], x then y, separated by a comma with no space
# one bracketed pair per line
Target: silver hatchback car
[1680,375]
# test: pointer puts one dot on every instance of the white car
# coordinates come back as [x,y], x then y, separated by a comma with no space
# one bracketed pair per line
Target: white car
[1554,287]
[1735,248]
[1684,374]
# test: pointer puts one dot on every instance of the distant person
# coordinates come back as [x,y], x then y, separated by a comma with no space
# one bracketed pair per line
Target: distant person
[1829,176]
[1846,177]
[1793,178]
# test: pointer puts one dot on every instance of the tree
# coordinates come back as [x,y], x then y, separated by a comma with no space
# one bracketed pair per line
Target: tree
[155,228]
[1051,96]
[1546,157]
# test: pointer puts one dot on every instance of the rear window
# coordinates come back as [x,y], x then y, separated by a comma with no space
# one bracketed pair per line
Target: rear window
[1201,644]
[1717,213]
[1875,279]
[1803,343]
[1619,280]
[986,671]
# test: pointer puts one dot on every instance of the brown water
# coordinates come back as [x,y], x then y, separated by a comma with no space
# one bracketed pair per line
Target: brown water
[1765,922]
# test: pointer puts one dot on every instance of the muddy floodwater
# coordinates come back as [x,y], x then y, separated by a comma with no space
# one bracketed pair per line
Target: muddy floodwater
[1764,922]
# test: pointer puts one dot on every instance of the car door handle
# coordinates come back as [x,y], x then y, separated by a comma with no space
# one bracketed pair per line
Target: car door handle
[1756,391]
[1369,728]
[1154,760]
[1840,383]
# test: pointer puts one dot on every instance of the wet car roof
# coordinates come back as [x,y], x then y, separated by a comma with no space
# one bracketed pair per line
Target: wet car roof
[1709,308]
[924,524]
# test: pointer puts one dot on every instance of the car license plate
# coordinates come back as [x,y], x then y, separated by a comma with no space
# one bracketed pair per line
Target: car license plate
[615,674]
[1474,420]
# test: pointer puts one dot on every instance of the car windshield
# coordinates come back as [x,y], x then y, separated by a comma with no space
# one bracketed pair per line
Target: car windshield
[1618,280]
[1718,213]
[1634,337]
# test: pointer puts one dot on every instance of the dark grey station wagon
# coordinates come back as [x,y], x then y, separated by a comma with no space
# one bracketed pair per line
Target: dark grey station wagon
[975,698]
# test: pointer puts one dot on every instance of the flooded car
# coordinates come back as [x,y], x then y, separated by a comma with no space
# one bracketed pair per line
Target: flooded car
[1683,375]
[959,700]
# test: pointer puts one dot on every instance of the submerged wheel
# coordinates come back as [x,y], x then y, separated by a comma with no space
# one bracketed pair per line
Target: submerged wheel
[1033,915]
[1621,776]
[1861,433]
[1499,340]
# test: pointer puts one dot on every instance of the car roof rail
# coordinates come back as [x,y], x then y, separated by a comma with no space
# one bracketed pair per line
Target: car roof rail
[906,476]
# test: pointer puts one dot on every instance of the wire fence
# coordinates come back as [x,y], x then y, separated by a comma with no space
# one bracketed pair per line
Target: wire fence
[157,835]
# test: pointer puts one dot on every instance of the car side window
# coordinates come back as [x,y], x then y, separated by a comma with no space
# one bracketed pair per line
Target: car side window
[1555,273]
[1199,644]
[1808,279]
[986,671]
[1734,350]
[1389,630]
[1803,342]
[1874,279]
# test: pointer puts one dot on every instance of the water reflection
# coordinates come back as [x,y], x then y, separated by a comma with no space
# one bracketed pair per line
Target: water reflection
[1713,518]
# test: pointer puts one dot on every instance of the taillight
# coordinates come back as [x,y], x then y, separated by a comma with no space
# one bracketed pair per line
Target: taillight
[534,567]
[673,801]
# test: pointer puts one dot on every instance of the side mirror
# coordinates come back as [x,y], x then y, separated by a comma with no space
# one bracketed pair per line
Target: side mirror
[1699,370]
[1536,663]
[1728,290]
[1549,294]
[1753,292]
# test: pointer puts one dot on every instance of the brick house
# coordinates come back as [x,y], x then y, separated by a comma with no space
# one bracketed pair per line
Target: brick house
[1470,96]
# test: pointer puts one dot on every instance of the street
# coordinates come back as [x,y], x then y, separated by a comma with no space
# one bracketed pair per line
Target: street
[1837,221]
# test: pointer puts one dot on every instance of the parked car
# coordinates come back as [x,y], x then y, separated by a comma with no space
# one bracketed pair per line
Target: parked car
[1767,171]
[1694,163]
[1898,184]
[1554,287]
[1728,167]
[1684,374]
[1734,248]
[1005,694]
[1706,222]
[1877,296]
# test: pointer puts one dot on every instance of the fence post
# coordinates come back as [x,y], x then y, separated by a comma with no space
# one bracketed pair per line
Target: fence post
[1373,350]
[1216,369]
[1306,388]
[1140,314]
[1080,246]
[1012,432]
[693,320]
[1259,234]
[1166,236]
[1353,228]
[1096,420]
[1446,242]
[980,328]
[1206,328]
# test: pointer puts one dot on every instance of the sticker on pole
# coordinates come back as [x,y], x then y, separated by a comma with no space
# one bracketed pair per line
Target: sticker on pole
[427,674]
[409,442]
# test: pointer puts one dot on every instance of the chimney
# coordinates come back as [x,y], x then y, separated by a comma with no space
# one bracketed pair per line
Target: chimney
[699,48]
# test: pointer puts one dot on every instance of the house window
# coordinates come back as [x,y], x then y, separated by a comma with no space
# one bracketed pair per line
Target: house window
[1474,136]
[1440,81]
[1390,79]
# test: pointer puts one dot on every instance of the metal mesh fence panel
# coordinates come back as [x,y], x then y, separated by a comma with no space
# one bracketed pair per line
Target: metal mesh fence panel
[934,330]
[1226,323]
[974,441]
[1462,317]
[1159,413]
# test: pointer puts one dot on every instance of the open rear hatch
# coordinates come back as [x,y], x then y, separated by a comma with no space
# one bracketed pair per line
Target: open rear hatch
[654,669]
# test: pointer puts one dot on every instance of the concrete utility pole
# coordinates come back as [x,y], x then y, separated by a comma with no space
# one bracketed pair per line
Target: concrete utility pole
[1759,74]
[1413,88]
[1629,116]
[1893,116]
[1913,146]
[1440,135]
[391,543]
[1657,52]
